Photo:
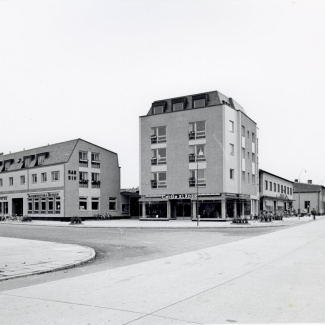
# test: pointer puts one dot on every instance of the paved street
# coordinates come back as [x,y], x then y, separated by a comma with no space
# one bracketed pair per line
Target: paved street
[276,277]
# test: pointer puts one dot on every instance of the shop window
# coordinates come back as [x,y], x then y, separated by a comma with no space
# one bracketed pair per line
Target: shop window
[50,205]
[155,209]
[112,203]
[231,126]
[57,205]
[158,134]
[11,181]
[158,156]
[43,206]
[34,178]
[197,153]
[30,206]
[5,207]
[95,203]
[232,173]
[210,209]
[95,180]
[196,130]
[82,203]
[158,180]
[44,177]
[55,176]
[36,206]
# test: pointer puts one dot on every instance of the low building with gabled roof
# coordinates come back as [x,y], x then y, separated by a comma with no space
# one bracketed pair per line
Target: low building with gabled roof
[72,178]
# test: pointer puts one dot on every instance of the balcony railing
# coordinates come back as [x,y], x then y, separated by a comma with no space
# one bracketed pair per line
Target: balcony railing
[95,164]
[192,182]
[158,184]
[158,138]
[191,157]
[95,184]
[83,183]
[83,163]
[154,161]
[196,135]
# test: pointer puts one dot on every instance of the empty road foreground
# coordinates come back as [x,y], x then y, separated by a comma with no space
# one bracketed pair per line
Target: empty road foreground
[272,278]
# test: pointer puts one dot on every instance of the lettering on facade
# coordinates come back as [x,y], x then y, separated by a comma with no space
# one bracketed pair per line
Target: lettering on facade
[48,194]
[3,198]
[71,175]
[179,196]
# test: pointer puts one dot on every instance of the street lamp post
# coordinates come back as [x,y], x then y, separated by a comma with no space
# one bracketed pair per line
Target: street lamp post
[299,193]
[199,154]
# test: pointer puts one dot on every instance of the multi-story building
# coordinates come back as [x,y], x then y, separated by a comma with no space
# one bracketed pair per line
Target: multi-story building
[308,196]
[199,148]
[276,193]
[73,178]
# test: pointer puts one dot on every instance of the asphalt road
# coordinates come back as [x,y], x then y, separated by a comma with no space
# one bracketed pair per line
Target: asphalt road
[116,247]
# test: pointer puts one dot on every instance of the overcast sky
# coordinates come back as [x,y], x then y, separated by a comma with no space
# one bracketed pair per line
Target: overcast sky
[89,68]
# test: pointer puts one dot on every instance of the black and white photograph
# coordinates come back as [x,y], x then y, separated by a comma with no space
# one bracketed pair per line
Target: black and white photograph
[162,162]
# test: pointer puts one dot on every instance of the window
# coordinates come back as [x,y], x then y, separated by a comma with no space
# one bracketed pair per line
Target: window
[285,189]
[201,177]
[253,157]
[178,107]
[112,203]
[83,179]
[11,181]
[95,160]
[1,182]
[158,134]
[243,153]
[22,180]
[83,158]
[30,206]
[274,187]
[232,173]
[281,188]
[270,186]
[43,205]
[243,176]
[231,126]
[199,103]
[243,131]
[158,109]
[36,205]
[44,177]
[95,180]
[34,178]
[307,204]
[27,161]
[232,149]
[82,203]
[95,203]
[55,176]
[253,179]
[247,154]
[197,130]
[266,185]
[57,205]
[197,153]
[158,156]
[51,205]
[253,137]
[40,159]
[158,180]
[278,187]
[290,191]
[247,134]
[248,177]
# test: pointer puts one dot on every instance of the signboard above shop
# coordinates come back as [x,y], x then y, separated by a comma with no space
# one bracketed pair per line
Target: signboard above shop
[44,194]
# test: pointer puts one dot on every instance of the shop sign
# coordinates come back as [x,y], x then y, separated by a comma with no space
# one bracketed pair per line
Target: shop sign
[179,196]
[48,194]
[3,198]
[72,175]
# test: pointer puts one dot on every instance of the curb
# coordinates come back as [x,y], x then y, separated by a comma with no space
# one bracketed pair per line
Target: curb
[62,267]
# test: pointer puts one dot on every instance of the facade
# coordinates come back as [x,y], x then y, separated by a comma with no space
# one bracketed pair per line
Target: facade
[308,196]
[73,178]
[276,193]
[198,148]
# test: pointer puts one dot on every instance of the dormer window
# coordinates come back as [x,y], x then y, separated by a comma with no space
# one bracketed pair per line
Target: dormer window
[7,164]
[179,104]
[40,159]
[27,161]
[199,101]
[159,107]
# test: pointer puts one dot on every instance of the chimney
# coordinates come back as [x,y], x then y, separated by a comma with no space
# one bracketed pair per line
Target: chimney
[310,181]
[296,181]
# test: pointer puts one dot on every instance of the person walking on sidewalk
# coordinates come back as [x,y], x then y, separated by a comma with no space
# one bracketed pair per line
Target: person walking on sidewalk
[313,212]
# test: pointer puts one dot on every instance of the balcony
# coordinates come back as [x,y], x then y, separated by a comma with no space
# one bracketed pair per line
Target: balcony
[154,161]
[153,184]
[95,164]
[95,184]
[191,157]
[83,183]
[191,135]
[192,182]
[83,163]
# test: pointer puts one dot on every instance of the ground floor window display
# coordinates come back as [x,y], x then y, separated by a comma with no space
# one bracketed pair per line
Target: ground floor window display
[187,208]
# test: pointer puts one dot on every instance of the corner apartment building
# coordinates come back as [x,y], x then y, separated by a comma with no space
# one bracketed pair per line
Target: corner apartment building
[73,178]
[308,196]
[201,149]
[276,193]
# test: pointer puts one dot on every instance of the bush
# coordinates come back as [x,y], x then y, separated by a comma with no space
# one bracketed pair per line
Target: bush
[26,219]
[75,220]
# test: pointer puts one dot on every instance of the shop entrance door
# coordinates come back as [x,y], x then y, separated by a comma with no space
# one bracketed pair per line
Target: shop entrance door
[17,207]
[183,209]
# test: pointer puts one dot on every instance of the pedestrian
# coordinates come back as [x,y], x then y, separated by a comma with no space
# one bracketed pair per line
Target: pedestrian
[313,212]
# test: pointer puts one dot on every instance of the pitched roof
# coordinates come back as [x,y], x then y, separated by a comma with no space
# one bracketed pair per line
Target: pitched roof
[56,154]
[306,187]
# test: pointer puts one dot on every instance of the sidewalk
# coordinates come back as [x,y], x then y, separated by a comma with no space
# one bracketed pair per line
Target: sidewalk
[135,223]
[20,257]
[273,278]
